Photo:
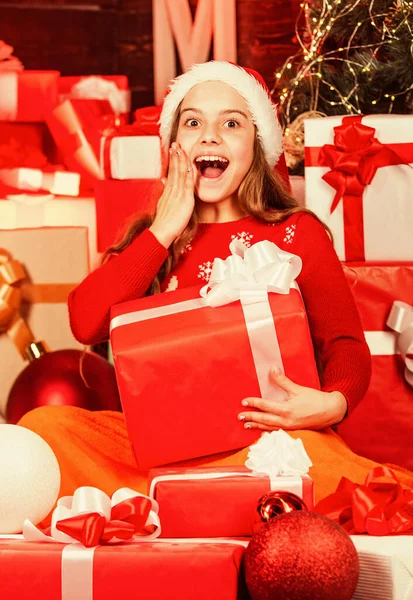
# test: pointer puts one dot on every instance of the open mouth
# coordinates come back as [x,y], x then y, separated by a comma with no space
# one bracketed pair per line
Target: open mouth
[211,167]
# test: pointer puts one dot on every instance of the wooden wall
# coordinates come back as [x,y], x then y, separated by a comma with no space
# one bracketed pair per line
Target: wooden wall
[83,37]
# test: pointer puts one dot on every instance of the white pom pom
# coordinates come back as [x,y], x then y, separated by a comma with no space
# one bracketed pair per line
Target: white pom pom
[29,478]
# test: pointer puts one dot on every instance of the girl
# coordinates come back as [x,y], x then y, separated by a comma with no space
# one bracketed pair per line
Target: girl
[221,130]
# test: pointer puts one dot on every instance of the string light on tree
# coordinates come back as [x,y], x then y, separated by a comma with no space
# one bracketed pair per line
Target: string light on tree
[371,72]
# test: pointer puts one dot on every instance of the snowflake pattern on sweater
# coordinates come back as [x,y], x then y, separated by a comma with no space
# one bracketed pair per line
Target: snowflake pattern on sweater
[243,237]
[205,270]
[289,234]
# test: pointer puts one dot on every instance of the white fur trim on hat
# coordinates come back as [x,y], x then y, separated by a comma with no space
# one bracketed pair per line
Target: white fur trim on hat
[263,111]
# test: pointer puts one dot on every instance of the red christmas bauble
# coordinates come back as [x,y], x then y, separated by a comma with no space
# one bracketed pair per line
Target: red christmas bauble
[277,503]
[301,555]
[64,378]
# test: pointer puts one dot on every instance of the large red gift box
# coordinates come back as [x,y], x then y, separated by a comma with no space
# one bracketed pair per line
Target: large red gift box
[380,427]
[184,367]
[118,203]
[169,570]
[217,501]
[77,127]
[27,95]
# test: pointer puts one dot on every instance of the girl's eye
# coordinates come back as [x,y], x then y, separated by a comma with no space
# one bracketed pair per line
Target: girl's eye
[192,122]
[232,123]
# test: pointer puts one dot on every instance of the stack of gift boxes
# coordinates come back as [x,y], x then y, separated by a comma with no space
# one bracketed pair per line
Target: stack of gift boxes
[72,171]
[63,203]
[359,178]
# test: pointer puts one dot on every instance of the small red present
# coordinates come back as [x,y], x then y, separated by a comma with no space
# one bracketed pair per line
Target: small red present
[27,95]
[185,362]
[146,120]
[77,127]
[217,501]
[114,88]
[118,203]
[380,426]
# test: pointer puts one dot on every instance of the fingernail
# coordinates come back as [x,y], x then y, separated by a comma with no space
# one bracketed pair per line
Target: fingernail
[276,370]
[244,403]
[178,153]
[189,169]
[241,417]
[247,426]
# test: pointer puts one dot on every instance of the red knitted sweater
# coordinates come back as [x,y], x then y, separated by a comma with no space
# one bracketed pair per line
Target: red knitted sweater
[332,314]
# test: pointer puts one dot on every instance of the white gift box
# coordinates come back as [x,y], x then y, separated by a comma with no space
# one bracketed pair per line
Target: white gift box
[23,211]
[386,567]
[61,183]
[131,157]
[386,213]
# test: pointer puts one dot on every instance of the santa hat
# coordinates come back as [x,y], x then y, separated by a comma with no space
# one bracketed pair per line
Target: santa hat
[248,83]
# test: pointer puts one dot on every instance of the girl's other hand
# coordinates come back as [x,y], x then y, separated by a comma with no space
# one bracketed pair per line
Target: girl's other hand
[304,408]
[176,205]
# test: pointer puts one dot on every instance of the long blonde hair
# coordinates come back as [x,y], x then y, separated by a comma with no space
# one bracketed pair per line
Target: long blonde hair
[262,194]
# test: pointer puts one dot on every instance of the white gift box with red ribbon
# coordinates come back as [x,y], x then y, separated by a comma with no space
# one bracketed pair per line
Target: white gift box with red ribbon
[359,181]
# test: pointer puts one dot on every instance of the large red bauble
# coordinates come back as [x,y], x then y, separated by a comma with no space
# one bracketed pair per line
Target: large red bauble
[64,378]
[301,556]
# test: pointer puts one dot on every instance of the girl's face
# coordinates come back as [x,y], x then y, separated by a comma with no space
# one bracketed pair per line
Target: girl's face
[217,134]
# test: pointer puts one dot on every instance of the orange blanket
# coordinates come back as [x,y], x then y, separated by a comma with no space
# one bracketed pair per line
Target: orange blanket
[92,448]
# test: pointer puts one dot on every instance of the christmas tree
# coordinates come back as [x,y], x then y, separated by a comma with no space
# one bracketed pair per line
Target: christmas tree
[355,57]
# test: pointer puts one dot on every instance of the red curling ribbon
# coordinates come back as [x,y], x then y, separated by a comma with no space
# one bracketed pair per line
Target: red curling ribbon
[353,160]
[375,507]
[127,519]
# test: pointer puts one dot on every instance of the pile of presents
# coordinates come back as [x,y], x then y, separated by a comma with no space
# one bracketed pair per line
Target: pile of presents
[72,172]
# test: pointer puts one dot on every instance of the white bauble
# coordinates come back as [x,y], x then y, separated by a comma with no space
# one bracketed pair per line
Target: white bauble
[29,478]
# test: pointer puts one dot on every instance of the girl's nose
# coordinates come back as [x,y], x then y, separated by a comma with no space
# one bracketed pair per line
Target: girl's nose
[210,136]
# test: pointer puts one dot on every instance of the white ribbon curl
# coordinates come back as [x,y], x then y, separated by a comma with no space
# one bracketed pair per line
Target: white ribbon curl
[400,320]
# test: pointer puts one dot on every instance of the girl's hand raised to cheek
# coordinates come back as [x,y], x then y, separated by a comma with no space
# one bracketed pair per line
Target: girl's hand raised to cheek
[304,408]
[177,202]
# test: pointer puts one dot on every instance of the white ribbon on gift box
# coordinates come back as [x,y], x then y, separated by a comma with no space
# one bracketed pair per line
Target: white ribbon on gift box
[248,275]
[98,88]
[386,343]
[77,560]
[8,96]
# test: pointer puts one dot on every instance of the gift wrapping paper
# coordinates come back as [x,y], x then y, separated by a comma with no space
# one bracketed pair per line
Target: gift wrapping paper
[146,120]
[119,203]
[77,127]
[21,211]
[55,260]
[386,567]
[205,355]
[131,156]
[380,426]
[27,95]
[167,569]
[358,180]
[217,501]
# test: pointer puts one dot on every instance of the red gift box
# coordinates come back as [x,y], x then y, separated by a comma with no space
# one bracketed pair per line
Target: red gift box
[380,427]
[146,120]
[164,569]
[118,203]
[77,86]
[27,95]
[77,127]
[217,501]
[183,368]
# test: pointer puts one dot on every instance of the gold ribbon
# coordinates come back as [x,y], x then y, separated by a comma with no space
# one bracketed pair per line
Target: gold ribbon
[12,274]
[401,321]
